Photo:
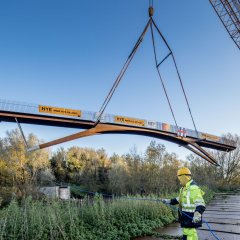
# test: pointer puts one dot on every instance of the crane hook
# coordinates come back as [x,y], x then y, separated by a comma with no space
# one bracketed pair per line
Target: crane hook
[150,11]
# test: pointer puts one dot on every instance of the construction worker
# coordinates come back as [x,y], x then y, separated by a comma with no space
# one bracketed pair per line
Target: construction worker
[191,204]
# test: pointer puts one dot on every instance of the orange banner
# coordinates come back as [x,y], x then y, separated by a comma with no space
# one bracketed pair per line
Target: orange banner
[59,111]
[130,121]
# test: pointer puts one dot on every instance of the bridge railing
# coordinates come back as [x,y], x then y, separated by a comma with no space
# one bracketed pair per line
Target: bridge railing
[27,108]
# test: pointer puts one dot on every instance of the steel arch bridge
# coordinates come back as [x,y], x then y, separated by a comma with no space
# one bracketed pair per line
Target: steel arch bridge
[11,111]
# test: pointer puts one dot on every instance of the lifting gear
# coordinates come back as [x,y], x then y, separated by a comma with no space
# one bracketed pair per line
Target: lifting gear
[99,128]
[152,24]
[21,131]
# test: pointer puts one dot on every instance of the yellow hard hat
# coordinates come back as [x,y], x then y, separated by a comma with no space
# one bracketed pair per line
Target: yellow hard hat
[183,171]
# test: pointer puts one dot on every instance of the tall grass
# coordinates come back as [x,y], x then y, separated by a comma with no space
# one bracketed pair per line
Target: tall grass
[119,219]
[97,219]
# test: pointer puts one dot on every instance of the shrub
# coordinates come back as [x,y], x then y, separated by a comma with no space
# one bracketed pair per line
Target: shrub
[51,219]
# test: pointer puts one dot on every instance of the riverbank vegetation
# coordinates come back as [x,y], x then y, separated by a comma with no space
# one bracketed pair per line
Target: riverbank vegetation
[87,219]
[27,214]
[46,219]
[151,172]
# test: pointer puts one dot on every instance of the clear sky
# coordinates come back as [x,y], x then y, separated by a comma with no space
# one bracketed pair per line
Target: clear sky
[67,53]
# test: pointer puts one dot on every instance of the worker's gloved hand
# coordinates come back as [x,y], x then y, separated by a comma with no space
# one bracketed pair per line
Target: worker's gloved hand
[166,201]
[197,217]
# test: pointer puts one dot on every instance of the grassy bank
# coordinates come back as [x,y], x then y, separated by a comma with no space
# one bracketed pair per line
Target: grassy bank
[88,220]
[120,219]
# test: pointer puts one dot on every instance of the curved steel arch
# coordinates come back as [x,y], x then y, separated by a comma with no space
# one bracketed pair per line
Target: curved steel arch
[103,128]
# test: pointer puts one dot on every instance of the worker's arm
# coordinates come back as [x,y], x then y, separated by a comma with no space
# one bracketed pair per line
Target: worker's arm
[198,200]
[197,194]
[174,201]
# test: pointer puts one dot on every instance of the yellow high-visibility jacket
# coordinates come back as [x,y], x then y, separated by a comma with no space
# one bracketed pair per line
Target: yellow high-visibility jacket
[190,200]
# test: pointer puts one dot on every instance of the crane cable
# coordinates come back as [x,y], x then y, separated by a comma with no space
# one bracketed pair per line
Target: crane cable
[128,61]
[178,74]
[175,64]
[119,77]
[150,3]
[117,81]
[159,74]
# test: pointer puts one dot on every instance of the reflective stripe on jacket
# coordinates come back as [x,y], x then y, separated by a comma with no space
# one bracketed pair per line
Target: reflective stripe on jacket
[190,197]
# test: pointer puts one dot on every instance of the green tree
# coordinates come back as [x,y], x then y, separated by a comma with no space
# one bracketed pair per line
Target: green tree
[20,168]
[59,165]
[223,176]
[118,175]
[229,162]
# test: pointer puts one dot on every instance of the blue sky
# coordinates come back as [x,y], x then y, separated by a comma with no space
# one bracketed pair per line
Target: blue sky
[68,54]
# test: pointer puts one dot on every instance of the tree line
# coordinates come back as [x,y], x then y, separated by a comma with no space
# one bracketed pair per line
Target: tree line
[153,171]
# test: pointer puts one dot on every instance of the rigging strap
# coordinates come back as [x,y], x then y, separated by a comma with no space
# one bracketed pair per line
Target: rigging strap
[99,129]
[128,61]
[123,70]
[179,77]
[21,131]
[159,74]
